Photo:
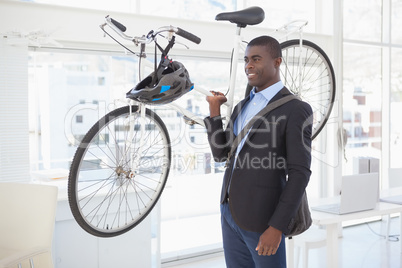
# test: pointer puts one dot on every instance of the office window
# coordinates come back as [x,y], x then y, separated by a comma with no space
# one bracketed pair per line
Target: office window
[396,109]
[362,94]
[362,20]
[373,21]
[396,21]
[67,90]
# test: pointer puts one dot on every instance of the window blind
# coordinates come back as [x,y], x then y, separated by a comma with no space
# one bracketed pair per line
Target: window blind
[14,127]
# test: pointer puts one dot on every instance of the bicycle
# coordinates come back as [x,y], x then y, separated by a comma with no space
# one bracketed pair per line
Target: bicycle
[122,164]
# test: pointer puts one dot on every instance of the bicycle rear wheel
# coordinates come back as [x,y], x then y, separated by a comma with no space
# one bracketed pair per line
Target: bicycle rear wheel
[308,73]
[108,194]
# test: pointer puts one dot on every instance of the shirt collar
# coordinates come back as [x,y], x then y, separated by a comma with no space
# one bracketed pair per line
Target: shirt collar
[269,92]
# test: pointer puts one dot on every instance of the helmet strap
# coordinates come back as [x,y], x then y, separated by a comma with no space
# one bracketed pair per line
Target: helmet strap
[164,61]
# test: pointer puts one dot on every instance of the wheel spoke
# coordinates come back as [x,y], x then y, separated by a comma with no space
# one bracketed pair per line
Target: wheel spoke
[314,83]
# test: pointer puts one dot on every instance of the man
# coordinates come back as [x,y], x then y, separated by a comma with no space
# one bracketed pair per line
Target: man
[268,173]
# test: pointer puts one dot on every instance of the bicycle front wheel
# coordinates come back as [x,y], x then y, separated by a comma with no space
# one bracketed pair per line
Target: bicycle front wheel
[307,71]
[119,171]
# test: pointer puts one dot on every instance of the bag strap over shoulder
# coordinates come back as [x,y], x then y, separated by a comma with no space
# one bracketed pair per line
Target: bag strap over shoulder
[271,106]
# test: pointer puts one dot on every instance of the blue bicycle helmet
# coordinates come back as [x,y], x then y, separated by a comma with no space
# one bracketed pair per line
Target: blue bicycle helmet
[171,84]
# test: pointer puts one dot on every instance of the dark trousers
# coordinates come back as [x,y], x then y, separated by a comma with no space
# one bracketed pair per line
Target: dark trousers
[239,246]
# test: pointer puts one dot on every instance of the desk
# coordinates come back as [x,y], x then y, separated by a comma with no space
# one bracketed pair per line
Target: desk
[331,221]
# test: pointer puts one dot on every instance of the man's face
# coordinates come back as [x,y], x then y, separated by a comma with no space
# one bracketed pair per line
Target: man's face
[261,69]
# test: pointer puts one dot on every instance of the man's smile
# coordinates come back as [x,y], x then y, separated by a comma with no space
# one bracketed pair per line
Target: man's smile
[251,75]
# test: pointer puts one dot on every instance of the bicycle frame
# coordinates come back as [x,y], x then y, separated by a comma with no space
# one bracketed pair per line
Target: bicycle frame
[299,29]
[238,46]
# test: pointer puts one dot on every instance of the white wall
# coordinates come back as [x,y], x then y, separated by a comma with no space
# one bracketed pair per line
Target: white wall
[73,247]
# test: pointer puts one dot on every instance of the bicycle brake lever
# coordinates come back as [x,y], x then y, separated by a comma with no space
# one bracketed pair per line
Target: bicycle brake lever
[150,34]
[182,44]
[175,42]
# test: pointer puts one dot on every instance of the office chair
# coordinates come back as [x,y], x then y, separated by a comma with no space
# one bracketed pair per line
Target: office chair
[312,238]
[27,224]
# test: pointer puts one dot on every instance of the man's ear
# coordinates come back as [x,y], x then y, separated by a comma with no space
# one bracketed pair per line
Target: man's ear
[278,62]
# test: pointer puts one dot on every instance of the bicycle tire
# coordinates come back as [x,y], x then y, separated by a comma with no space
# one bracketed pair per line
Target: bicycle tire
[317,86]
[106,197]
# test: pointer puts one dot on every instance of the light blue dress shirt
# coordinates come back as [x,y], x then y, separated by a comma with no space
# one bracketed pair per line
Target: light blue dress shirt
[256,103]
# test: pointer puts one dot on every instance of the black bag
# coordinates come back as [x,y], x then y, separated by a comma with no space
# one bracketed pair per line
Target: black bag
[302,219]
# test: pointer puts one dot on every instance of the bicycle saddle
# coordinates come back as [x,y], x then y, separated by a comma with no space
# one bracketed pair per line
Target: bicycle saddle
[248,16]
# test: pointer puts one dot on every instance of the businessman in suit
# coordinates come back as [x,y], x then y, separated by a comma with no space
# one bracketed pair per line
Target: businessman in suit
[265,179]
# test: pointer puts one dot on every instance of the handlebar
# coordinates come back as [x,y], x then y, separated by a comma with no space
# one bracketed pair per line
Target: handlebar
[188,35]
[120,29]
[120,26]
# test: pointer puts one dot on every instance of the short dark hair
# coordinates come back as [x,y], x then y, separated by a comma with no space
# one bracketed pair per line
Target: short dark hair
[272,45]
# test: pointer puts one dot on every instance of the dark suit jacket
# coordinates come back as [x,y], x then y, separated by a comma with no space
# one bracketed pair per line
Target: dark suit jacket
[272,169]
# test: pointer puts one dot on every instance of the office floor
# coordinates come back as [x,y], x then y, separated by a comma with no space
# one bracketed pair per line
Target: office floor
[360,246]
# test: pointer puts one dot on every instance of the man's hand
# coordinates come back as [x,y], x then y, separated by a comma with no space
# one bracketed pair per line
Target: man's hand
[269,242]
[215,103]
